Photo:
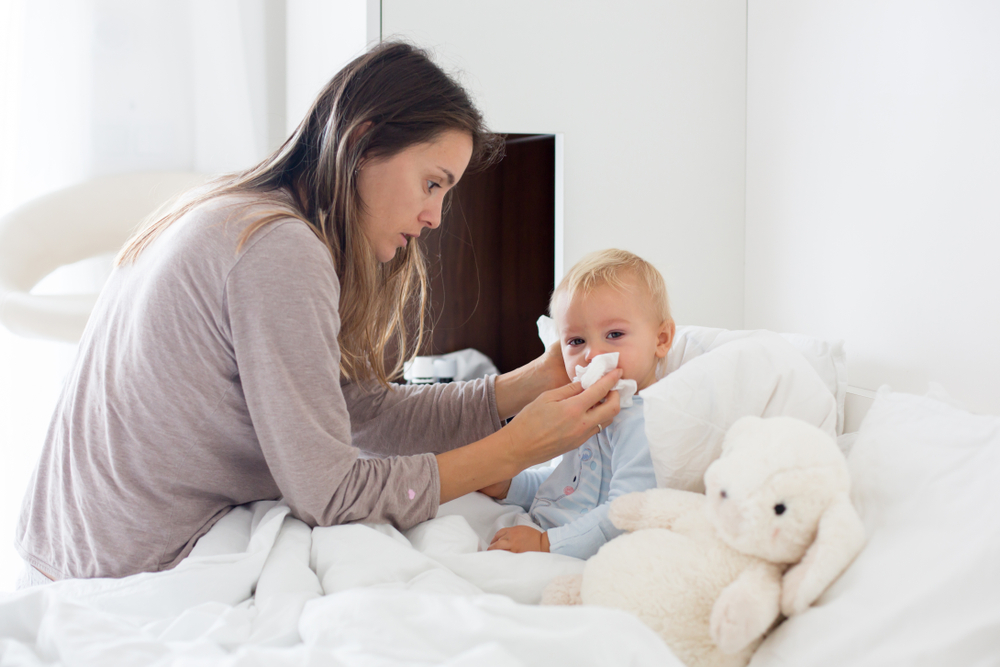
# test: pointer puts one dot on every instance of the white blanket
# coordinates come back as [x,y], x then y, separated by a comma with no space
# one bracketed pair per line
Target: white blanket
[262,588]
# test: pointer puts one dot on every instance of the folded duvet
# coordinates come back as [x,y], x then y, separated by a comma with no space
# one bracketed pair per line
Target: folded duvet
[262,588]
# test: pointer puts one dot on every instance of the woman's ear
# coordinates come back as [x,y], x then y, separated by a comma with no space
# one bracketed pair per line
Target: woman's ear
[665,338]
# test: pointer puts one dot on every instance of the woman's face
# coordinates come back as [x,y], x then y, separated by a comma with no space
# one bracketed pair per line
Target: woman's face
[403,194]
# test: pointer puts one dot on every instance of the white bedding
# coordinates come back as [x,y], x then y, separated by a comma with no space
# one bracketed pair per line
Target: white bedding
[925,589]
[261,588]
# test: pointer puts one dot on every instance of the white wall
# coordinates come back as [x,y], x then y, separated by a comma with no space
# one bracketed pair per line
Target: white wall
[650,98]
[873,186]
[109,86]
[322,37]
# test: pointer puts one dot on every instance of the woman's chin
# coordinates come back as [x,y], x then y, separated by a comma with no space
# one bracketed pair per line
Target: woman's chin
[385,256]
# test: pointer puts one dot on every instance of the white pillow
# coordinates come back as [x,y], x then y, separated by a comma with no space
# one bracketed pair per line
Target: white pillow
[926,588]
[825,356]
[712,383]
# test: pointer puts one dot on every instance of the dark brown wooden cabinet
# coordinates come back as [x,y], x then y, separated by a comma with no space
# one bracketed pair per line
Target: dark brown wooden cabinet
[492,259]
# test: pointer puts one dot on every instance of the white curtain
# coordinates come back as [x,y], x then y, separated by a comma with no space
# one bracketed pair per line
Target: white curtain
[93,87]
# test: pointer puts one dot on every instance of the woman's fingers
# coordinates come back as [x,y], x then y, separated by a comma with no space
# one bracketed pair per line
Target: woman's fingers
[565,391]
[604,413]
[562,419]
[589,397]
[599,390]
[552,361]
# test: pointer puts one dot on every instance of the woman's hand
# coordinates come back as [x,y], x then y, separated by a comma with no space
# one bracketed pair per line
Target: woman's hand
[552,366]
[516,389]
[562,419]
[519,539]
[557,421]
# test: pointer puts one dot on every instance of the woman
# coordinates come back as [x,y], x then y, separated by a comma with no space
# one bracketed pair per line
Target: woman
[242,350]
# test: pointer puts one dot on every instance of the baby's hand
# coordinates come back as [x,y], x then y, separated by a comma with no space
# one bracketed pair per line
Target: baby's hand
[520,539]
[498,490]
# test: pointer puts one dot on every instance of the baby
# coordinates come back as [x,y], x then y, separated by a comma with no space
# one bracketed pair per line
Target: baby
[611,301]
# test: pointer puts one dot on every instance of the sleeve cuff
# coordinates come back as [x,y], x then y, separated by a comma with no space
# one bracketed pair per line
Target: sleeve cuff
[434,492]
[491,392]
[565,540]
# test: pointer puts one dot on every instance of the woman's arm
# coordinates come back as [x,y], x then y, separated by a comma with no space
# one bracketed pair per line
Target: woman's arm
[282,301]
[556,422]
[516,389]
[405,420]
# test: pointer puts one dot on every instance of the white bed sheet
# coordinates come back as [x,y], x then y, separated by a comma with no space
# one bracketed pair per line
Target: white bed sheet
[262,588]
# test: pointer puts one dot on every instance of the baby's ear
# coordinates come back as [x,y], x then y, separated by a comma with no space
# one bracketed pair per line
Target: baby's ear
[665,337]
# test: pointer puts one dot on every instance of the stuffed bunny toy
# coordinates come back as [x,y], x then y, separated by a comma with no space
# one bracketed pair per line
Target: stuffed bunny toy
[713,573]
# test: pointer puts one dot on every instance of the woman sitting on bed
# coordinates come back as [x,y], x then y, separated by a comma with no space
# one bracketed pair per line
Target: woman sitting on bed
[241,349]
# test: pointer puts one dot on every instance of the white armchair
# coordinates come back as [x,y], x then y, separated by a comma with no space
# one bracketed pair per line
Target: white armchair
[67,226]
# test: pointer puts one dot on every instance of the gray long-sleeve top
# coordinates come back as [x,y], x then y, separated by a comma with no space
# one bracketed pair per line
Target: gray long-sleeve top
[209,377]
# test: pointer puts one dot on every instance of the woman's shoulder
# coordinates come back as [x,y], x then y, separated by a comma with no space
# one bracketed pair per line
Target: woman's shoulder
[273,247]
[242,220]
[239,210]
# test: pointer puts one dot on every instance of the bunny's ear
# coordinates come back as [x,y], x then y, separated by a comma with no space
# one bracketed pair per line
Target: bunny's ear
[839,538]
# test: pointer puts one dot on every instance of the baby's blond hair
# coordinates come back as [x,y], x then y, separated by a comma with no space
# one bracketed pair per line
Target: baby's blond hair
[615,268]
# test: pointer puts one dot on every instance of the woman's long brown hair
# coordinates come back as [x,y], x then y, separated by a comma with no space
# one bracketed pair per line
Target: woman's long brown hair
[383,102]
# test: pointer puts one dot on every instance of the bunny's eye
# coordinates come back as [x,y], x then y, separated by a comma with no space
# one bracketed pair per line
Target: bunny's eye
[722,494]
[779,509]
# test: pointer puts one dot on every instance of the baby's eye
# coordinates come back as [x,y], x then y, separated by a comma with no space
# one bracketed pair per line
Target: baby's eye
[573,342]
[616,334]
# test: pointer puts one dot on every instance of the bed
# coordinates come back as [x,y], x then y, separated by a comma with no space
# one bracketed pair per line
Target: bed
[263,588]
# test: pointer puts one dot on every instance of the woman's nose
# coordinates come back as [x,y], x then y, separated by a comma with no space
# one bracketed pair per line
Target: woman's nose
[431,216]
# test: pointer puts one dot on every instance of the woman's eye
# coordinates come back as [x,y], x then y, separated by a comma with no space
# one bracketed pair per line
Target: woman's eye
[431,185]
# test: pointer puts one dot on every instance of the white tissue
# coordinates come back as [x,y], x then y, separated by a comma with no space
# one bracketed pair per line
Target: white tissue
[600,366]
[547,330]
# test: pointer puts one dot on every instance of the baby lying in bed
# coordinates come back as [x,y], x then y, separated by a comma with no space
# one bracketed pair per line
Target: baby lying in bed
[610,302]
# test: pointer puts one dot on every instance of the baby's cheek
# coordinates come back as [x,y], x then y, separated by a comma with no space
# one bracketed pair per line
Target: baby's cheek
[625,363]
[638,365]
[571,364]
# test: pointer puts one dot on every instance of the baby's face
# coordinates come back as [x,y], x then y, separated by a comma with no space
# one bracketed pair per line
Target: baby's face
[606,320]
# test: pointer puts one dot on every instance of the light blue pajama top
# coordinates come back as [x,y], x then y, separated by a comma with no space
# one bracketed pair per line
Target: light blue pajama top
[571,501]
